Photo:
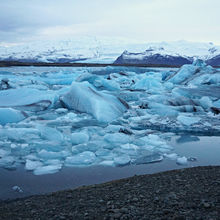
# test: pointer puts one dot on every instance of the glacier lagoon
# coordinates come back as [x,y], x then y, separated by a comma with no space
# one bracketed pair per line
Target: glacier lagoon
[205,148]
[57,120]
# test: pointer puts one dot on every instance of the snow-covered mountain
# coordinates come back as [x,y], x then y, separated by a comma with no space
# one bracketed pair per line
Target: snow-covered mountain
[83,49]
[215,61]
[174,53]
[150,58]
[109,50]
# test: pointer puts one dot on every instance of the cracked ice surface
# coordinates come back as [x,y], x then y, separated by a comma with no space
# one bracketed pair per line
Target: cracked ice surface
[112,116]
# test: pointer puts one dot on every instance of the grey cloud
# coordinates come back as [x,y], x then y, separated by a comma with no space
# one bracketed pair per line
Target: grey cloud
[40,13]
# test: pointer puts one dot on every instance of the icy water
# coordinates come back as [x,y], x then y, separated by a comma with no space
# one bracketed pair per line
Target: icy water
[65,127]
[205,150]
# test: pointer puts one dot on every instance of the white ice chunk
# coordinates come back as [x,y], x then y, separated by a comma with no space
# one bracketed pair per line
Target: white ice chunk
[4,153]
[50,133]
[28,98]
[84,158]
[98,81]
[47,169]
[83,97]
[7,161]
[17,189]
[172,156]
[61,110]
[52,162]
[154,140]
[205,102]
[9,115]
[188,120]
[113,128]
[107,163]
[117,138]
[149,83]
[32,165]
[52,155]
[122,160]
[79,138]
[216,104]
[23,146]
[184,73]
[196,74]
[168,85]
[129,149]
[163,110]
[181,161]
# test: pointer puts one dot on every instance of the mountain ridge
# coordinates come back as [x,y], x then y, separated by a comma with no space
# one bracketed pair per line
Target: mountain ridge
[110,50]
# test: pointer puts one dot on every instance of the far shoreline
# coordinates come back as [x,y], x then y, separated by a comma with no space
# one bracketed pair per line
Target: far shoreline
[54,64]
[45,64]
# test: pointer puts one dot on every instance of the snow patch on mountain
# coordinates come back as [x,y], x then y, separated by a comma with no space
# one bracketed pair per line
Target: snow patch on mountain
[175,53]
[106,50]
[83,49]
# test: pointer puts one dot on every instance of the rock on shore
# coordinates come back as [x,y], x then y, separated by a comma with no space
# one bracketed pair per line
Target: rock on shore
[191,194]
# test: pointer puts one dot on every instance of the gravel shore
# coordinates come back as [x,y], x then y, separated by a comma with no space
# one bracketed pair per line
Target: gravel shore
[191,194]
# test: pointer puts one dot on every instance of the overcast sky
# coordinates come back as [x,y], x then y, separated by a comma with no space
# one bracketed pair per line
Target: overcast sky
[148,20]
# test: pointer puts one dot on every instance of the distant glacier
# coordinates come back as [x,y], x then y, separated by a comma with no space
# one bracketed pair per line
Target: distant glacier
[111,50]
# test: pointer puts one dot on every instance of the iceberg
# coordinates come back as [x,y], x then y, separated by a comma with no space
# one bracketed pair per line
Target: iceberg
[181,161]
[184,73]
[8,162]
[83,97]
[27,99]
[10,115]
[188,120]
[46,123]
[84,158]
[32,165]
[196,74]
[117,138]
[79,138]
[44,154]
[17,189]
[98,81]
[122,160]
[149,83]
[49,133]
[50,169]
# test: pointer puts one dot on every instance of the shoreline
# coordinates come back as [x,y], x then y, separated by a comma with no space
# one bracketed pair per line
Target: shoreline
[40,64]
[189,193]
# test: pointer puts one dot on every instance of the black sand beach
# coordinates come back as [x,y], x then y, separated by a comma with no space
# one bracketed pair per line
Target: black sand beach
[192,193]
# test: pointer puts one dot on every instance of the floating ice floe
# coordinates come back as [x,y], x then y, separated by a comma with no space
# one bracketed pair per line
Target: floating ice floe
[151,83]
[181,161]
[50,169]
[77,117]
[83,97]
[99,82]
[196,74]
[17,189]
[9,115]
[188,120]
[27,99]
[32,165]
[79,138]
[85,158]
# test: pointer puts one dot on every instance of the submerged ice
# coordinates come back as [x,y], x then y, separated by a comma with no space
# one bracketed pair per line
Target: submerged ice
[112,116]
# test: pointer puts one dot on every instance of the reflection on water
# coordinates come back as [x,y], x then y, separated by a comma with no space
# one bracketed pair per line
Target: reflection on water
[186,138]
